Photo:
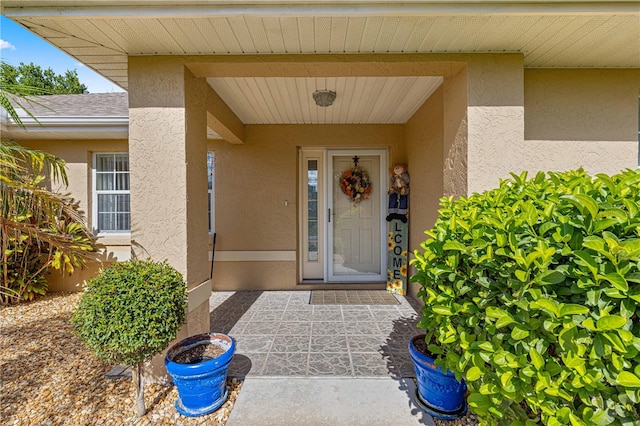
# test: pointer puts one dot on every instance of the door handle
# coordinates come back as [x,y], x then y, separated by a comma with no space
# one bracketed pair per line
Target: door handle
[329,215]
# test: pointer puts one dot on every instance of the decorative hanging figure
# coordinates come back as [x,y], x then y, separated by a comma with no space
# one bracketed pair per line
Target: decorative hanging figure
[398,193]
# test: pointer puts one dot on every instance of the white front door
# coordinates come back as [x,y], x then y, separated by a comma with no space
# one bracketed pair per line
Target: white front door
[355,229]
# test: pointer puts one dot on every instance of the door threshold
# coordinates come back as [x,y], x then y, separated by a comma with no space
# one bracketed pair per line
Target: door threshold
[321,285]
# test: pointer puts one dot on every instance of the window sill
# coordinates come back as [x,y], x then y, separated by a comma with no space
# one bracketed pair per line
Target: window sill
[123,239]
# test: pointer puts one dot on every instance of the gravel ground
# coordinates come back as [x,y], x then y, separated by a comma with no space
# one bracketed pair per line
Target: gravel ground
[468,420]
[48,378]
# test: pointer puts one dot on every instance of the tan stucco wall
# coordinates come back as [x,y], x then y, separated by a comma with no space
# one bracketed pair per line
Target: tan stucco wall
[167,154]
[436,140]
[253,181]
[78,157]
[581,118]
[549,120]
[495,118]
[168,161]
[456,138]
[425,147]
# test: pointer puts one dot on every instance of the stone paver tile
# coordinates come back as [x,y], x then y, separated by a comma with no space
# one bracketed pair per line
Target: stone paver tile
[387,327]
[261,327]
[291,344]
[386,316]
[359,315]
[281,297]
[286,364]
[254,343]
[237,328]
[300,297]
[327,316]
[220,296]
[297,316]
[329,364]
[273,306]
[370,364]
[329,343]
[264,316]
[403,365]
[294,328]
[361,327]
[295,305]
[326,308]
[398,343]
[250,364]
[384,309]
[327,327]
[365,343]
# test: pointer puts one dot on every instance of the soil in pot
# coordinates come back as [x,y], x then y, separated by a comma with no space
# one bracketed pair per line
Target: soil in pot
[421,346]
[198,353]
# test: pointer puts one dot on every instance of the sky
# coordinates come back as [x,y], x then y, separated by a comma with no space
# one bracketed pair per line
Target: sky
[20,45]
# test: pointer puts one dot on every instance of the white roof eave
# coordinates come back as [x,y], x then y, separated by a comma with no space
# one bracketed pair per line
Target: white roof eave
[158,9]
[46,126]
[72,121]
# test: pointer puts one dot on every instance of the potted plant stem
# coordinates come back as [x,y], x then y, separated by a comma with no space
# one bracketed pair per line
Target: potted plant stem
[130,312]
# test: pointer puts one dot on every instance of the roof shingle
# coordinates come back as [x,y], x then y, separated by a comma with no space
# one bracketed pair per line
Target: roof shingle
[82,105]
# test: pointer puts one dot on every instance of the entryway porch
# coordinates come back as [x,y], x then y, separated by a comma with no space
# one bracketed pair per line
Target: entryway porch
[322,364]
[279,333]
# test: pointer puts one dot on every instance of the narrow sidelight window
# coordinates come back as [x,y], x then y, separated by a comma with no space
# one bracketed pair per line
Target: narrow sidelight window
[312,218]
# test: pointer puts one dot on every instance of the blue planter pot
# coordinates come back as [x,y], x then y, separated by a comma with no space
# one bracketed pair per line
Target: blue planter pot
[438,392]
[201,384]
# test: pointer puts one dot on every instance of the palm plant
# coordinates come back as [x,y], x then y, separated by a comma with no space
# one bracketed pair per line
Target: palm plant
[39,228]
[18,95]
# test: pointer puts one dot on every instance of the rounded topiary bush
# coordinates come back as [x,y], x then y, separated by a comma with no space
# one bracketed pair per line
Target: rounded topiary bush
[532,295]
[130,312]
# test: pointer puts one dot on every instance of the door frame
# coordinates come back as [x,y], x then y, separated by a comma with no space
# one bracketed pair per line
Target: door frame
[381,186]
[317,267]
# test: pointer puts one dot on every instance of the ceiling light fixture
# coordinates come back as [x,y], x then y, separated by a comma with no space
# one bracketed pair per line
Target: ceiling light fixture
[324,97]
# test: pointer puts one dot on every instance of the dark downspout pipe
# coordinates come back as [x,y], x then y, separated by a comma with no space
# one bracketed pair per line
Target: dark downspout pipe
[213,254]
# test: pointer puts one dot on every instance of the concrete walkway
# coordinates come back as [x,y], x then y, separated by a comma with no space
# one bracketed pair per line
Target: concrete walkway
[316,401]
[319,364]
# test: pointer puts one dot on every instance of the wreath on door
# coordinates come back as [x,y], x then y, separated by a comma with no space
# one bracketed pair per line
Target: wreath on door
[355,183]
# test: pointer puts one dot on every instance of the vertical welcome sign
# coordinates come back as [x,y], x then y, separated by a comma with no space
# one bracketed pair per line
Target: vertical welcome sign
[397,264]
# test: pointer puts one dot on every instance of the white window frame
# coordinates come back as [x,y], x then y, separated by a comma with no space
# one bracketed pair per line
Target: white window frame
[94,197]
[94,194]
[311,270]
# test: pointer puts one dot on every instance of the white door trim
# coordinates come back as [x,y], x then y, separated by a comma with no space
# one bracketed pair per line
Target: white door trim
[311,269]
[381,186]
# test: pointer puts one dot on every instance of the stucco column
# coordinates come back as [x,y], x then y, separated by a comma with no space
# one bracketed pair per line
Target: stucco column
[495,116]
[455,135]
[167,151]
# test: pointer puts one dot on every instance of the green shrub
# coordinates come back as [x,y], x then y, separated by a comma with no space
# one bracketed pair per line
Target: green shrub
[39,229]
[130,312]
[531,295]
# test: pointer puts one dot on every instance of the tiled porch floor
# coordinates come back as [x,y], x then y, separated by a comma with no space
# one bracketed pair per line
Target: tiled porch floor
[279,333]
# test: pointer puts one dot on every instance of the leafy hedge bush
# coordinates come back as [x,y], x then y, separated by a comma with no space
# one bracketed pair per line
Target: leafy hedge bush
[532,295]
[130,312]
